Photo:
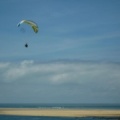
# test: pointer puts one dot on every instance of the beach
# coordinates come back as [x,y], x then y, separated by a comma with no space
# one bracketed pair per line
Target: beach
[60,112]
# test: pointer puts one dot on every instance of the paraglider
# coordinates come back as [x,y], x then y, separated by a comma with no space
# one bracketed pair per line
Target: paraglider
[32,24]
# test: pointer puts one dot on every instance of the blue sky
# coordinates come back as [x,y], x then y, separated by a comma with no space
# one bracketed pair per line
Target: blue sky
[74,58]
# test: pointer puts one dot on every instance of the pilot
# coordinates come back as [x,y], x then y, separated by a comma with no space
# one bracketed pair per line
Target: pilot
[26,45]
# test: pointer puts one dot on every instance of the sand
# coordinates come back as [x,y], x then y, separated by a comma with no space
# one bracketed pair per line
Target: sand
[60,112]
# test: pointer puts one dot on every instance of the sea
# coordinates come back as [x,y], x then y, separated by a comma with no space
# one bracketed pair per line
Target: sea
[59,106]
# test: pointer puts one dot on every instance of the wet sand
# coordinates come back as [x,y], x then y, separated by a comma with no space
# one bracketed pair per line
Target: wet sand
[60,112]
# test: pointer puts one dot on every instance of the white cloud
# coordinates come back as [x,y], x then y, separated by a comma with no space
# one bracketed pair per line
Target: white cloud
[72,81]
[4,65]
[60,72]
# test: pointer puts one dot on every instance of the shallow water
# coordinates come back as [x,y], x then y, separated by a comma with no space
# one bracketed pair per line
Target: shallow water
[7,117]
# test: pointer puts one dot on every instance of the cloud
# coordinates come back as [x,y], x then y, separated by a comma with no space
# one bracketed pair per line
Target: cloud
[61,72]
[4,65]
[60,81]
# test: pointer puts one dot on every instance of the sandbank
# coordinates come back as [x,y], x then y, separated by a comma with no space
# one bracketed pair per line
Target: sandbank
[60,112]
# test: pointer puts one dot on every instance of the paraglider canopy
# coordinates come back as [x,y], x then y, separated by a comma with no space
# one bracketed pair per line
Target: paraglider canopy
[31,23]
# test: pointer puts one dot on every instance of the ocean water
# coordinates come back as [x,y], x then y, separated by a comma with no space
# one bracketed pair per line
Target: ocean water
[7,117]
[62,106]
[59,106]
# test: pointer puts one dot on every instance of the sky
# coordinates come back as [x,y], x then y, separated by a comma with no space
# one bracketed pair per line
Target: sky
[74,58]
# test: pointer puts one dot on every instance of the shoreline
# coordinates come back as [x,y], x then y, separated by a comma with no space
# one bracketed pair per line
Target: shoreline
[60,112]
